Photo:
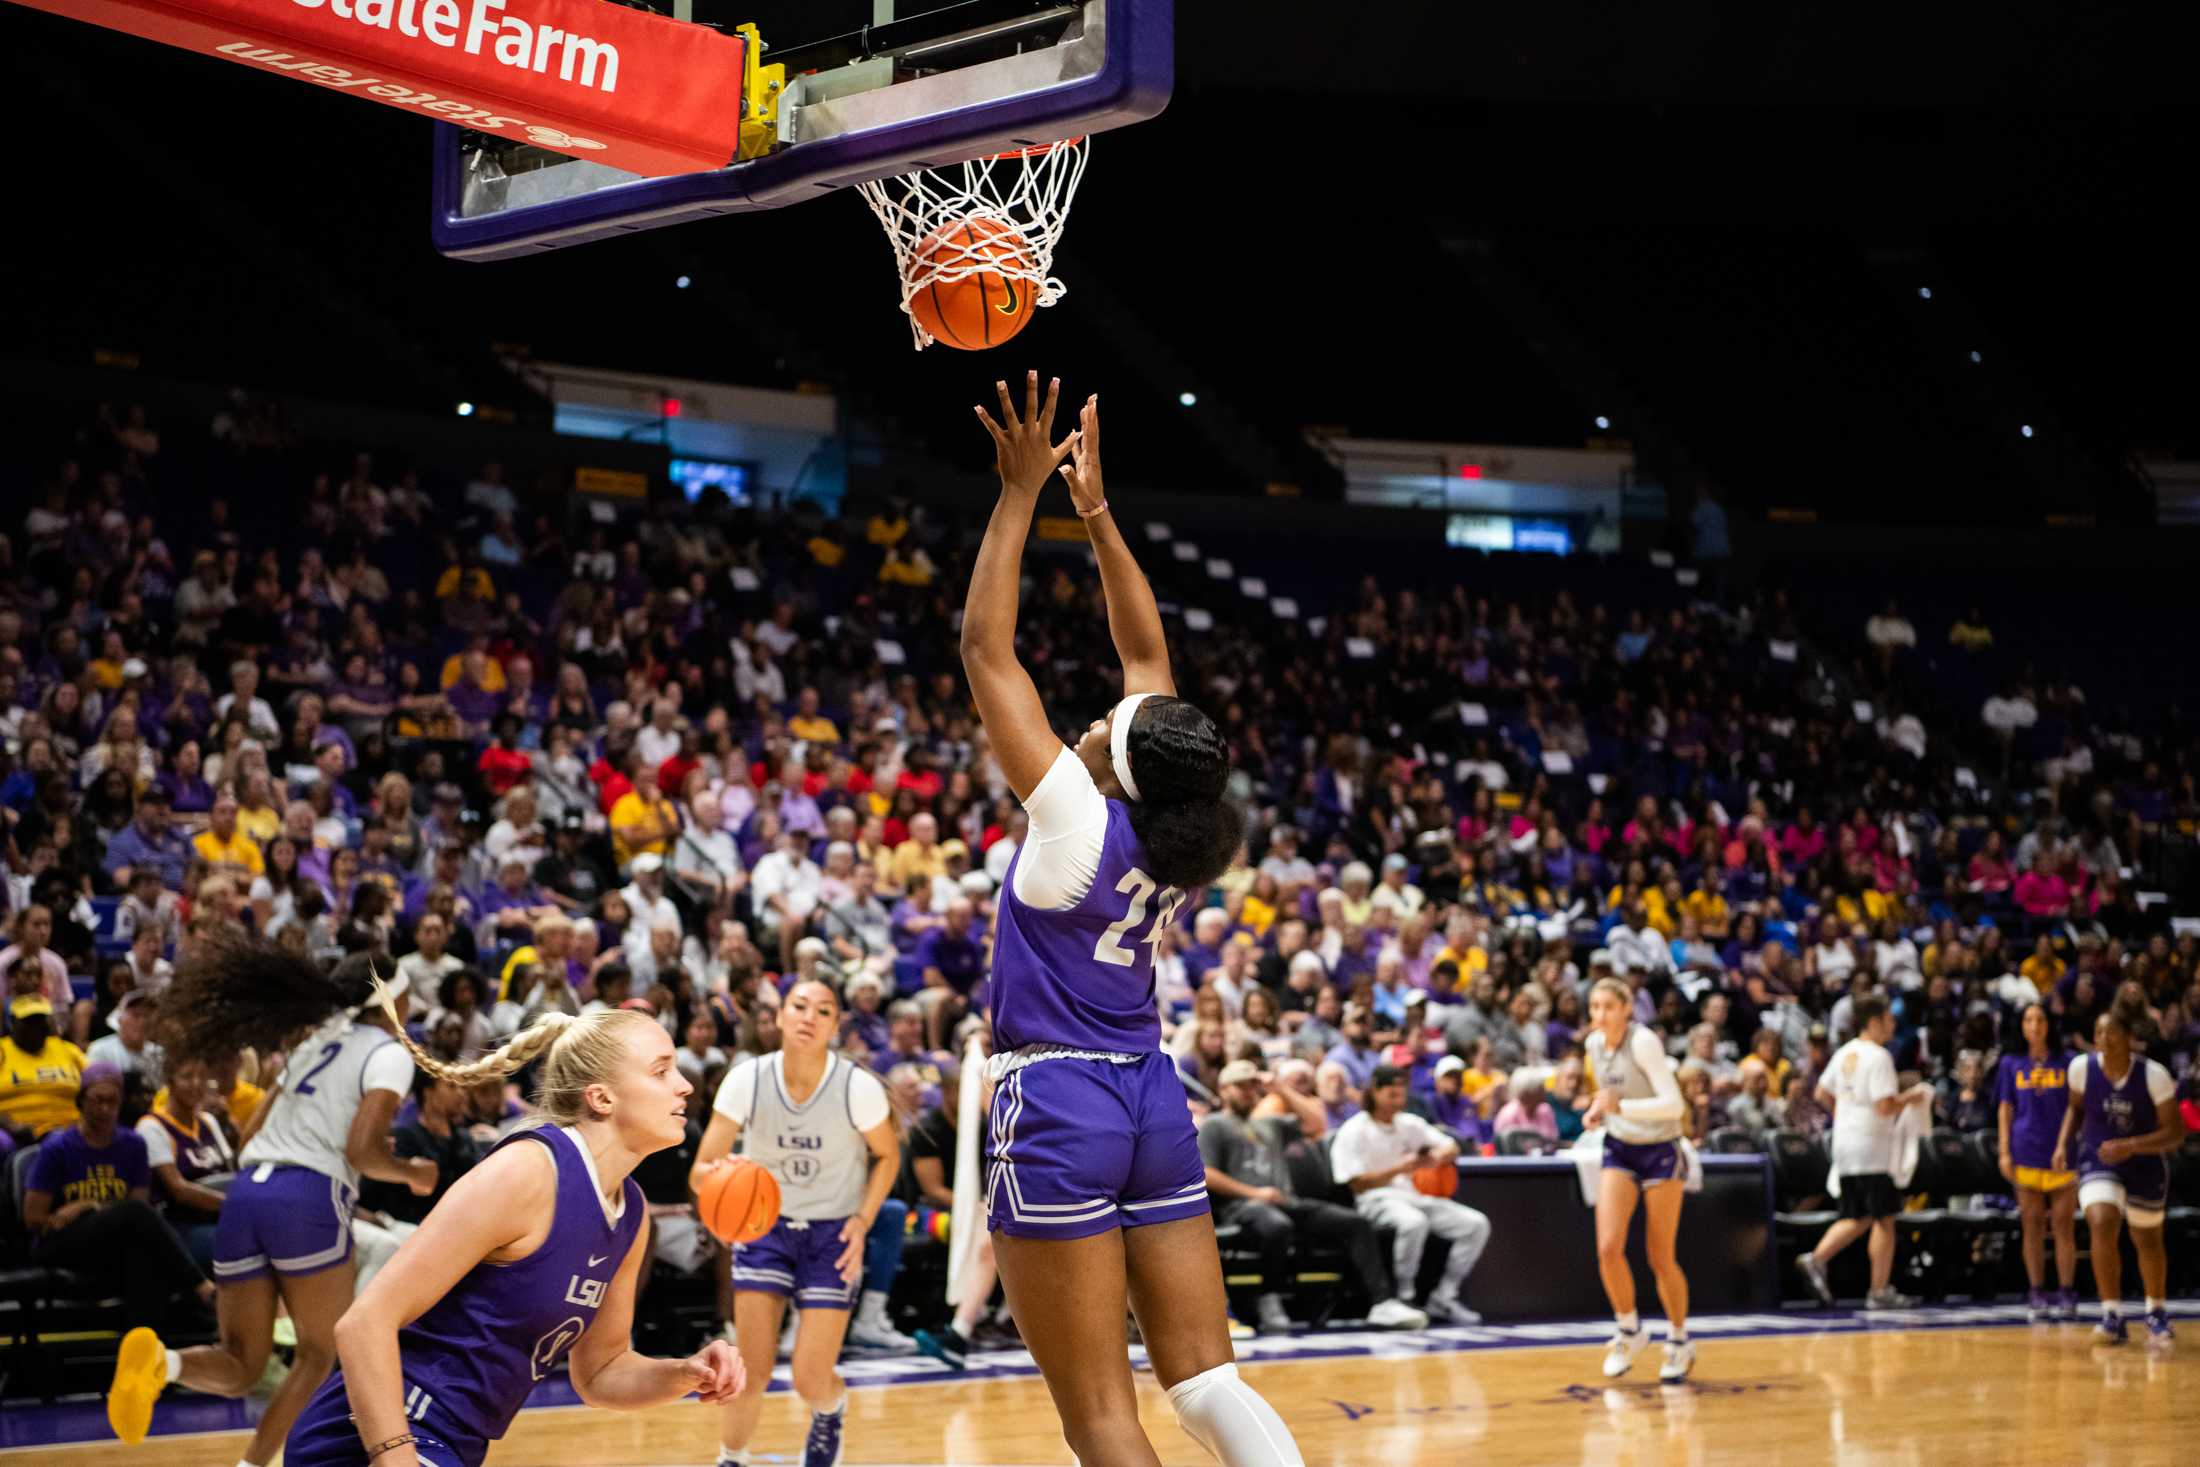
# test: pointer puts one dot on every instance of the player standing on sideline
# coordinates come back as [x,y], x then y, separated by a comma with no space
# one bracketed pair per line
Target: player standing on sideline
[1638,1102]
[1095,1191]
[1860,1084]
[825,1130]
[2126,1105]
[2032,1091]
[285,1225]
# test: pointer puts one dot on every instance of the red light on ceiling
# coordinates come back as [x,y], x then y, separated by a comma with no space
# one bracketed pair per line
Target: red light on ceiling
[1470,471]
[672,407]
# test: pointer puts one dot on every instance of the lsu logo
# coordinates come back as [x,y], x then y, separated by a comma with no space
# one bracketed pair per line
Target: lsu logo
[588,1293]
[554,1344]
[799,1142]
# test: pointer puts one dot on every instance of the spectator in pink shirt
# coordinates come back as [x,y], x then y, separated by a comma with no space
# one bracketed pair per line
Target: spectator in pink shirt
[1990,871]
[2040,892]
[1529,1109]
[1804,840]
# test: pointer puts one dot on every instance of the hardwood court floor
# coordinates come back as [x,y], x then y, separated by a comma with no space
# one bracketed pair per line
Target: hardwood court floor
[2041,1397]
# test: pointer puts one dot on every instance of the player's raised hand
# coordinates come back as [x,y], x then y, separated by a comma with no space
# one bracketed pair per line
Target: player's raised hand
[717,1372]
[1023,450]
[1083,469]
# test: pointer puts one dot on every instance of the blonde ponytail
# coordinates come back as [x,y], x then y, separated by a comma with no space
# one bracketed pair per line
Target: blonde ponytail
[576,1052]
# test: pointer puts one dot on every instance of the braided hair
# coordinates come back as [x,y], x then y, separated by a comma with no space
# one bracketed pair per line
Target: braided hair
[576,1052]
[1184,816]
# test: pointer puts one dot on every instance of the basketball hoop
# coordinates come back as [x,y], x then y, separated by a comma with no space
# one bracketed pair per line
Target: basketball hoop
[1025,195]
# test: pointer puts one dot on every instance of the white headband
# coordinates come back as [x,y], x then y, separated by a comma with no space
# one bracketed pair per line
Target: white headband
[1119,737]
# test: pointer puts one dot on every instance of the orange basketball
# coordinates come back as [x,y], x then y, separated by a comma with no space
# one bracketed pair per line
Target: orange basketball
[738,1201]
[1439,1179]
[984,308]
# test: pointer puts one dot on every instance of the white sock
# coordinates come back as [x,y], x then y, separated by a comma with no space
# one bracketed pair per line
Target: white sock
[1676,1333]
[2112,1309]
[728,1457]
[1628,1322]
[241,1462]
[834,1409]
[2155,1305]
[1228,1418]
[175,1365]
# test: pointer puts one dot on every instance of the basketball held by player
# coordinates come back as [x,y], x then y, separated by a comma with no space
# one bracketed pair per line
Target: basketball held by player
[1639,1104]
[2032,1092]
[2123,1108]
[284,1234]
[531,1259]
[1095,1191]
[824,1129]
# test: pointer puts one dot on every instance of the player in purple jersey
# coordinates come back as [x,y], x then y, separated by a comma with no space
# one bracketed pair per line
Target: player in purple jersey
[1095,1190]
[284,1233]
[2124,1107]
[529,1260]
[2032,1090]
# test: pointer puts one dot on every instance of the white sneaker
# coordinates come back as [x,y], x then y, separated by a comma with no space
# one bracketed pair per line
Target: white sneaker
[1274,1318]
[1620,1351]
[1680,1358]
[1396,1314]
[1446,1309]
[872,1330]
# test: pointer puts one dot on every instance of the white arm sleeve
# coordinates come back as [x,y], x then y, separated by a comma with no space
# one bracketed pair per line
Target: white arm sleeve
[1649,1055]
[1069,827]
[388,1068]
[737,1092]
[160,1147]
[2160,1085]
[2078,1068]
[867,1104]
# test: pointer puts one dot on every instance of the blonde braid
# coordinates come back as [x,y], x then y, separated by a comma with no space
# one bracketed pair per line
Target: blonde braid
[521,1050]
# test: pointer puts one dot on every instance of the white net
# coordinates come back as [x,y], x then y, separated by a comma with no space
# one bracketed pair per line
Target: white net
[1025,194]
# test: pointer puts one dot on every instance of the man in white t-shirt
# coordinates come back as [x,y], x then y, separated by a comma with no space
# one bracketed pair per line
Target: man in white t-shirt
[1867,1101]
[1375,1154]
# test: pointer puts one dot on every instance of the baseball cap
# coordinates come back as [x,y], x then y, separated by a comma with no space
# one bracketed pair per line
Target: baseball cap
[952,849]
[447,793]
[648,861]
[1451,1064]
[30,1004]
[1395,861]
[155,794]
[1240,1072]
[133,667]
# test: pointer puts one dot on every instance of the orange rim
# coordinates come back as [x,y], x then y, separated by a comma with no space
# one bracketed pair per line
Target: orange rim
[1037,150]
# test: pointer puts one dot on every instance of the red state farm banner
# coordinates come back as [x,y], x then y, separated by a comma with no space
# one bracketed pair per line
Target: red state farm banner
[622,87]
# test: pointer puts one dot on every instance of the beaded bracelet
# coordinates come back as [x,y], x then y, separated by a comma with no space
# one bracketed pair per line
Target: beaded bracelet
[407,1440]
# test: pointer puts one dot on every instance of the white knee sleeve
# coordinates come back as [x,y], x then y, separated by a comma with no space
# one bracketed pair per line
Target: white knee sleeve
[1228,1418]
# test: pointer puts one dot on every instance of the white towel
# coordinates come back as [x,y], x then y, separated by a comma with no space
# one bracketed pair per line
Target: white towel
[1910,1128]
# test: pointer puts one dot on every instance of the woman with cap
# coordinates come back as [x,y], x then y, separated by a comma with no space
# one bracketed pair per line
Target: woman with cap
[1095,1187]
[285,1229]
[86,1206]
[39,1070]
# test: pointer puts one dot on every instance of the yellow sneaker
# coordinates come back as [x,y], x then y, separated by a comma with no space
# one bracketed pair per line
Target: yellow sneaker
[141,1374]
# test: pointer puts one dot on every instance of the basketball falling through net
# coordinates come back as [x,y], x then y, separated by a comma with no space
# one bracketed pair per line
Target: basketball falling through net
[974,241]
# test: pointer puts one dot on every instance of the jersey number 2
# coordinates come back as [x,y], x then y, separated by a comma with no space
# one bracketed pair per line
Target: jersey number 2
[1109,949]
[328,1056]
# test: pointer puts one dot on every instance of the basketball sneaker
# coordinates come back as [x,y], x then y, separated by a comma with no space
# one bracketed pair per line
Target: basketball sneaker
[2158,1330]
[1396,1314]
[141,1374]
[945,1345]
[822,1447]
[1680,1358]
[2066,1306]
[2035,1308]
[1889,1298]
[2111,1330]
[1446,1309]
[1620,1351]
[1814,1274]
[1274,1318]
[871,1329]
[1239,1329]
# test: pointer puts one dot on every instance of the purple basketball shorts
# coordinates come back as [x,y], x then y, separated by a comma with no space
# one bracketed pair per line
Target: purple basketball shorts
[796,1260]
[1649,1163]
[1077,1146]
[284,1218]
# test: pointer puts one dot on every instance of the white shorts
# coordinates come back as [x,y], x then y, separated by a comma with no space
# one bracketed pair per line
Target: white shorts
[2097,1191]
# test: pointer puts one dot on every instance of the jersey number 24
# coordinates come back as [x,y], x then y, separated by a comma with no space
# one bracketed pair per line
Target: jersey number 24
[1141,887]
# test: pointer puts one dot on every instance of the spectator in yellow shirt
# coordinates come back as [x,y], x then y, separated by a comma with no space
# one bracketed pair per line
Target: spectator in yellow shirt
[643,819]
[223,846]
[808,724]
[38,1072]
[2044,967]
[919,858]
[489,673]
[1460,948]
[1709,908]
[257,816]
[476,579]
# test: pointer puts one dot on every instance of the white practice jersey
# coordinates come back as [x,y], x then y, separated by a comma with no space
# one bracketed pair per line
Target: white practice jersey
[322,1087]
[815,1149]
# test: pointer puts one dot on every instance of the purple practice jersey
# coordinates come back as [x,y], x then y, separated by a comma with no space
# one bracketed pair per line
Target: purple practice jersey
[2119,1111]
[1082,977]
